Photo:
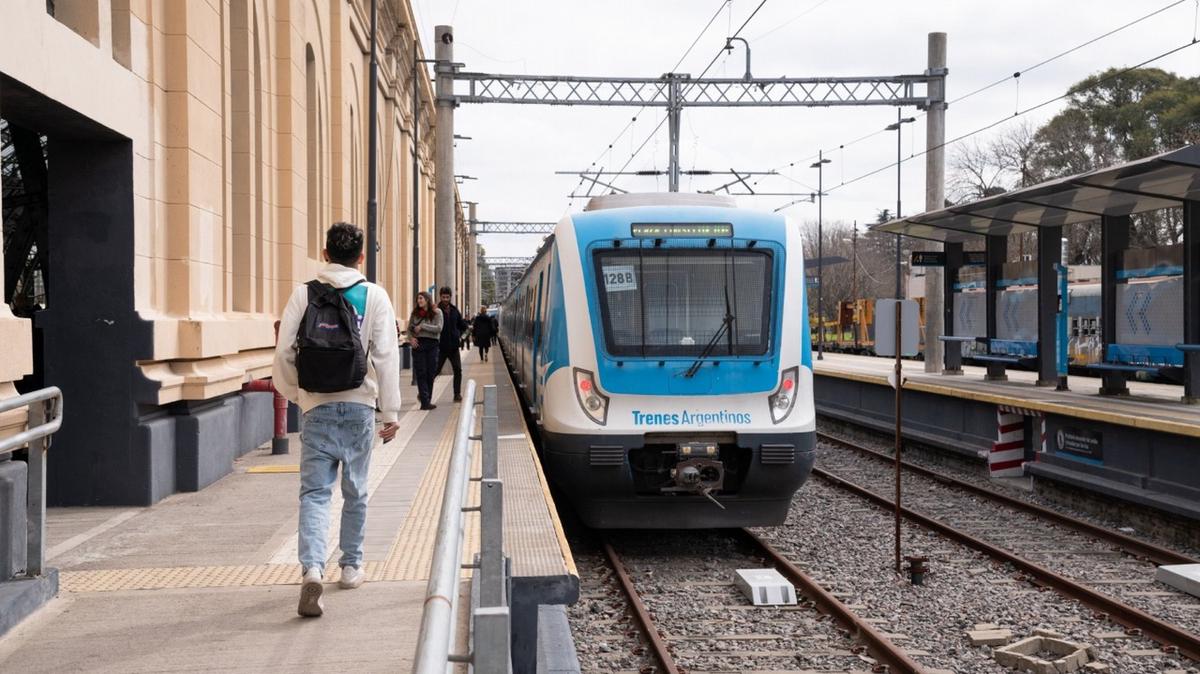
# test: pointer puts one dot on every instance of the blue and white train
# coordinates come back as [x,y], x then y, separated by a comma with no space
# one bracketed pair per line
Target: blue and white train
[659,342]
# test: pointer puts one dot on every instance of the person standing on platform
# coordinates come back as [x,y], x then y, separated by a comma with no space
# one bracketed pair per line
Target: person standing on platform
[482,331]
[424,332]
[452,327]
[338,359]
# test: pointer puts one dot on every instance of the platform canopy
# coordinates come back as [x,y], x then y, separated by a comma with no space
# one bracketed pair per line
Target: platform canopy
[1161,181]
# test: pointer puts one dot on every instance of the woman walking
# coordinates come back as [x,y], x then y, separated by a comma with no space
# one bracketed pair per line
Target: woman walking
[482,332]
[424,331]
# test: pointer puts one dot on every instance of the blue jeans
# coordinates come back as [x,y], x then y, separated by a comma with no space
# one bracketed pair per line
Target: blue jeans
[334,433]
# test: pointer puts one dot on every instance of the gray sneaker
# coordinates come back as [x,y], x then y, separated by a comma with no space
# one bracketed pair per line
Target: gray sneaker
[311,605]
[352,577]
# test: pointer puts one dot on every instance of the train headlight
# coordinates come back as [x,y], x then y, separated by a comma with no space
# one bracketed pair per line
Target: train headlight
[783,399]
[591,400]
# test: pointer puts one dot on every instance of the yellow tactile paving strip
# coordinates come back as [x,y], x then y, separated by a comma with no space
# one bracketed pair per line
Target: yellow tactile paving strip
[409,558]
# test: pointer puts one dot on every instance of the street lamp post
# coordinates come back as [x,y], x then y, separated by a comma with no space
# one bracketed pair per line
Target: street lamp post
[820,166]
[900,121]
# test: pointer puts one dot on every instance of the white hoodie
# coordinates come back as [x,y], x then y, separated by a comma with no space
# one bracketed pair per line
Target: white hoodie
[379,340]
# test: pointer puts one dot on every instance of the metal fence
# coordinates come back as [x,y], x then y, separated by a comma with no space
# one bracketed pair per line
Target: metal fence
[490,619]
[45,417]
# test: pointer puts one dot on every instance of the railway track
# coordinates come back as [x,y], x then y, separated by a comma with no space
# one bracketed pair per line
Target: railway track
[797,638]
[1074,557]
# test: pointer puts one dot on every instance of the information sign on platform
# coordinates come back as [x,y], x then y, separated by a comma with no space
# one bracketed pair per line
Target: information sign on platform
[928,258]
[885,327]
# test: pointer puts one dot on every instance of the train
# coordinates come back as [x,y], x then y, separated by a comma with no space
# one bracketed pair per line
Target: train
[657,343]
[1149,302]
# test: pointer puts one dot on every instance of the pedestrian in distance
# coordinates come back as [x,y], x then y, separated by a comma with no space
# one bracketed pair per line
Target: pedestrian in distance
[337,358]
[482,331]
[452,327]
[424,333]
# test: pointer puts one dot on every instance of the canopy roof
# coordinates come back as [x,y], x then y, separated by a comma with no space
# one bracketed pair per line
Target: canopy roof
[1161,181]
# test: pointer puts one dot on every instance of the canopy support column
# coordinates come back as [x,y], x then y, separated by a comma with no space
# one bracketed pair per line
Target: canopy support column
[1114,240]
[997,255]
[1049,244]
[1191,300]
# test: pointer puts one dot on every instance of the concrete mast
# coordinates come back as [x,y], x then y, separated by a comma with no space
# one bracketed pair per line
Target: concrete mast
[935,195]
[444,207]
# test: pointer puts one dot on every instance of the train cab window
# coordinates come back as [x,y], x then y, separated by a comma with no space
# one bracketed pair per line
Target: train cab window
[672,301]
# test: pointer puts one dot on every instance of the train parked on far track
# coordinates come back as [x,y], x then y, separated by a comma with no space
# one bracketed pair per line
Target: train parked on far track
[659,342]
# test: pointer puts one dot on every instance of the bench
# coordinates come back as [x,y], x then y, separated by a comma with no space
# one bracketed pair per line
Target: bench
[998,363]
[954,352]
[1115,371]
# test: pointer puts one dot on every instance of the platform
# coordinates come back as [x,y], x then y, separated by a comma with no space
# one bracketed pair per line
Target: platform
[1143,447]
[209,580]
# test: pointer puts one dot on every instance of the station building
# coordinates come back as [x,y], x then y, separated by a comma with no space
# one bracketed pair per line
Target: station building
[169,168]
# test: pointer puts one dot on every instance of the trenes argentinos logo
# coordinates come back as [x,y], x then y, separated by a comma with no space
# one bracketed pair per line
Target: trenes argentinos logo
[686,418]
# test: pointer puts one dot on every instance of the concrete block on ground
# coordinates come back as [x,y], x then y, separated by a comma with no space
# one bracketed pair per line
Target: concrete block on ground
[257,420]
[1024,655]
[1182,577]
[155,449]
[206,444]
[13,519]
[556,647]
[765,587]
[20,598]
[995,637]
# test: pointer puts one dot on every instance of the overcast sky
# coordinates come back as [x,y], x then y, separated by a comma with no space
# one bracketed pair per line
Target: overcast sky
[516,149]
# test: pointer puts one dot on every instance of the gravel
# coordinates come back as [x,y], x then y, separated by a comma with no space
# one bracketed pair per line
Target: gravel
[846,543]
[1064,550]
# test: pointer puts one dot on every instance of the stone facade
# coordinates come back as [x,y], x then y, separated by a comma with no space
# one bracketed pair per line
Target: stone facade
[196,151]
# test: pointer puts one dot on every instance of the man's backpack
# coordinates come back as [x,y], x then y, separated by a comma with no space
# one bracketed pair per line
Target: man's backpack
[330,355]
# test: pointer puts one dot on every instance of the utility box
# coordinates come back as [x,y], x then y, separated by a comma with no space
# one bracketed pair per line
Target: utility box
[765,587]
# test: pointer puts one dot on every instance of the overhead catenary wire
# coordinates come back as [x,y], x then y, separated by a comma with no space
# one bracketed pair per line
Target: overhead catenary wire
[1016,114]
[662,121]
[1015,75]
[633,119]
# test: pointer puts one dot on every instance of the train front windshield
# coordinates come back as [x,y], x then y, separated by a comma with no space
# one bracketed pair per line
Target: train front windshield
[673,302]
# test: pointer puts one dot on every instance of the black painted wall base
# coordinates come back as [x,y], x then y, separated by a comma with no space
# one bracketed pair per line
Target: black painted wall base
[189,448]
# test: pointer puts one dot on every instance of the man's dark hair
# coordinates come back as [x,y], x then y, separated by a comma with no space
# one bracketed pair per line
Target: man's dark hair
[445,291]
[344,243]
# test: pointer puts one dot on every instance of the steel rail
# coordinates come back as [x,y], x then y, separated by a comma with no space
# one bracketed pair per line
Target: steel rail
[665,660]
[1161,631]
[1154,553]
[879,646]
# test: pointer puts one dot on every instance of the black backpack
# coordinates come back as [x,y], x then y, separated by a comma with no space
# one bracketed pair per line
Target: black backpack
[330,355]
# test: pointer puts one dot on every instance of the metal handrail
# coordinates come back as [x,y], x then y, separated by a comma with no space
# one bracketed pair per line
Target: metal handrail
[42,430]
[44,420]
[441,594]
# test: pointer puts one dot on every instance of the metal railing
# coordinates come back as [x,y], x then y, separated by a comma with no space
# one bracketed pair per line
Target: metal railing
[490,618]
[45,418]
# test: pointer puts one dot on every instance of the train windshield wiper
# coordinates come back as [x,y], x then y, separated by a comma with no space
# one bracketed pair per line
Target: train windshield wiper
[724,329]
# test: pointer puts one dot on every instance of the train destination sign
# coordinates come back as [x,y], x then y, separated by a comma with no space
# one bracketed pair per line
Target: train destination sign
[937,258]
[665,230]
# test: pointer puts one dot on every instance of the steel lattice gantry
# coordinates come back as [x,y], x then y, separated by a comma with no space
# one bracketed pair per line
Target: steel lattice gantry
[492,227]
[674,91]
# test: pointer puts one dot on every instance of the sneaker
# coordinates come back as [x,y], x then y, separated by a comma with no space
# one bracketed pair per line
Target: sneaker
[352,577]
[429,407]
[458,399]
[311,605]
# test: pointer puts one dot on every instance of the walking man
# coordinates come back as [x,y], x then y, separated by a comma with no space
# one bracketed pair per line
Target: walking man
[452,328]
[337,358]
